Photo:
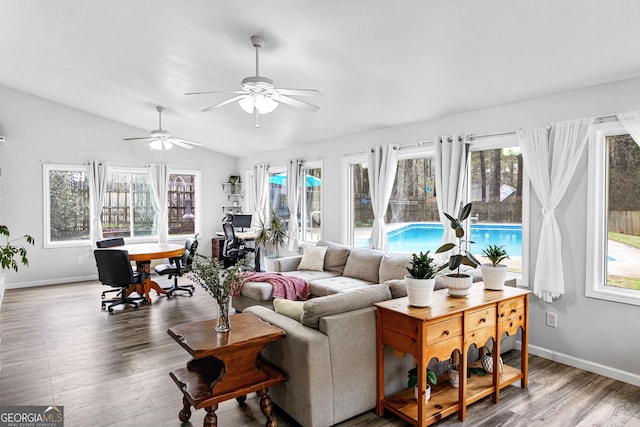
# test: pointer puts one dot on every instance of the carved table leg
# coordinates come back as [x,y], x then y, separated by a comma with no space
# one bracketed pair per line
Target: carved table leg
[241,399]
[211,419]
[267,408]
[185,413]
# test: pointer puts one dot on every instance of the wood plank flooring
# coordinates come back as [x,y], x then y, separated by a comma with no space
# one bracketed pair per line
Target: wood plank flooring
[58,347]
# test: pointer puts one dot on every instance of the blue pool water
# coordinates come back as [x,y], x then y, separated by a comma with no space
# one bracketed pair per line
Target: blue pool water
[426,236]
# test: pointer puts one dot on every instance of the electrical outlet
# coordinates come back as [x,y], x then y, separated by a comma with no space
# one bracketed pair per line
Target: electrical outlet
[552,319]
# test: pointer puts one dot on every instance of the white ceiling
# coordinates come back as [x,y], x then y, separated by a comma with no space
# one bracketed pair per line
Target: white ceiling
[378,63]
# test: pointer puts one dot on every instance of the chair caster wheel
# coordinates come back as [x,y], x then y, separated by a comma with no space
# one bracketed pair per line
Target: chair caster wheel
[110,310]
[102,296]
[135,307]
[191,293]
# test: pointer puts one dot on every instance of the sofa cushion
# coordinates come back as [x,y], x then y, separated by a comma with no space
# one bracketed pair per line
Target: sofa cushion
[310,275]
[336,256]
[393,266]
[313,258]
[328,305]
[259,291]
[289,308]
[397,287]
[363,264]
[333,285]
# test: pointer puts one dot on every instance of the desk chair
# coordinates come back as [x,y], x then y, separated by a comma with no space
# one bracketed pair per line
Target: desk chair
[234,248]
[178,266]
[109,243]
[114,269]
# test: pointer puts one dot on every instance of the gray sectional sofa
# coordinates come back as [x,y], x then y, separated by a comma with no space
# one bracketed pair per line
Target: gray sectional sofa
[328,354]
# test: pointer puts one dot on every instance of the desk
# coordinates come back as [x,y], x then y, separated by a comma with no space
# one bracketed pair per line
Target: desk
[450,324]
[143,253]
[225,365]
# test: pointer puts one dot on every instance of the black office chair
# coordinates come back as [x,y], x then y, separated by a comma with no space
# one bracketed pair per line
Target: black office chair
[178,266]
[109,243]
[234,249]
[114,269]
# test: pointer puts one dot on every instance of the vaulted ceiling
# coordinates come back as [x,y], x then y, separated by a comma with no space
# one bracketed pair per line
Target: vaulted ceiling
[378,63]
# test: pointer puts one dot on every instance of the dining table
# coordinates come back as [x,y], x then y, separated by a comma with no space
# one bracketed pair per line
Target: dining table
[143,254]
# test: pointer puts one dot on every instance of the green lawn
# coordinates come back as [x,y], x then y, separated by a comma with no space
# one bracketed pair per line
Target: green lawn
[624,282]
[627,239]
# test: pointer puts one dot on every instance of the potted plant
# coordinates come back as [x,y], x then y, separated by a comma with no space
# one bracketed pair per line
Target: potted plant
[234,180]
[494,274]
[271,234]
[11,252]
[457,283]
[412,382]
[487,360]
[421,279]
[220,283]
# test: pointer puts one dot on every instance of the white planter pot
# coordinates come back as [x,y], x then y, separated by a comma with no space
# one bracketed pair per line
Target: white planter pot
[427,393]
[487,363]
[3,276]
[419,291]
[458,286]
[494,277]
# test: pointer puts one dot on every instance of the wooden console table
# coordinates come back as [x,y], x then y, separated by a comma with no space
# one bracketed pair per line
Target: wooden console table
[450,324]
[226,365]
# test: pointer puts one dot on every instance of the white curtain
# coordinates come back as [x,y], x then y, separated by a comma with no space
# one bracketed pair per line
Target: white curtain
[551,158]
[99,174]
[631,123]
[159,178]
[293,196]
[451,170]
[382,164]
[261,193]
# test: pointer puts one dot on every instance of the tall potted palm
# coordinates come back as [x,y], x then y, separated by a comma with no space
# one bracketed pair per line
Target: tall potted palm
[457,283]
[271,235]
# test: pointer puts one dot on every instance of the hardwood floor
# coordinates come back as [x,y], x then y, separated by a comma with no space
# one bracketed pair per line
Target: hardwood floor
[58,347]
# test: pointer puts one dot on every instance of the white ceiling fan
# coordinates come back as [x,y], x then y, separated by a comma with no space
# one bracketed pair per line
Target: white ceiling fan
[259,95]
[161,139]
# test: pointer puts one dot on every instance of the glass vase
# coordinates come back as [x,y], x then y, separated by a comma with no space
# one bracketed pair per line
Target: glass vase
[222,323]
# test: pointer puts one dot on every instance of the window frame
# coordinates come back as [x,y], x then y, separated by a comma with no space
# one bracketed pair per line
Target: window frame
[314,164]
[198,196]
[597,250]
[46,169]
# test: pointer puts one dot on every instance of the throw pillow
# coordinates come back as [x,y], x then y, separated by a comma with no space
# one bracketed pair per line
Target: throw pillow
[364,264]
[289,308]
[313,258]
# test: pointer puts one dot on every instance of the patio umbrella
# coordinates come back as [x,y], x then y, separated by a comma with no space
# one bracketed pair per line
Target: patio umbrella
[281,179]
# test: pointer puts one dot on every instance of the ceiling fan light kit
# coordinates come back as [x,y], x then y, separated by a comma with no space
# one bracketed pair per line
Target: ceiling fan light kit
[259,94]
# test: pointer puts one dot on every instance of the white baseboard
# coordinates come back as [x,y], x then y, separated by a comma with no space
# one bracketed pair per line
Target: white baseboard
[59,281]
[596,368]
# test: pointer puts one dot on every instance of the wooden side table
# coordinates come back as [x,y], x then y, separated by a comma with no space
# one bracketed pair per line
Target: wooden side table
[226,365]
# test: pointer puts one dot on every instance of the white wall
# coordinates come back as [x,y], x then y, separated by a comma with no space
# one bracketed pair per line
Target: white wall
[593,334]
[38,130]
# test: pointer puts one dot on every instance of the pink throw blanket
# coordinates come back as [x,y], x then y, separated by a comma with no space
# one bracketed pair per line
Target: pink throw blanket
[288,287]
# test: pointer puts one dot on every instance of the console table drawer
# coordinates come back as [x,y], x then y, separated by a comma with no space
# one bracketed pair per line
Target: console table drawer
[444,330]
[480,318]
[509,309]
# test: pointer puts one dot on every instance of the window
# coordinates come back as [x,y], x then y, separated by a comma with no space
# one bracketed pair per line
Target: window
[183,195]
[278,194]
[360,211]
[311,203]
[613,238]
[129,209]
[497,193]
[66,201]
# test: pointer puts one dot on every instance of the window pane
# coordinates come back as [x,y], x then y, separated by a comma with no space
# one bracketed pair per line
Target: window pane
[361,203]
[69,205]
[129,210]
[310,205]
[278,196]
[182,204]
[623,212]
[496,193]
[144,208]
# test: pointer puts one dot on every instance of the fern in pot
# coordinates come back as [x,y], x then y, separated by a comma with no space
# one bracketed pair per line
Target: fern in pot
[458,283]
[421,279]
[494,274]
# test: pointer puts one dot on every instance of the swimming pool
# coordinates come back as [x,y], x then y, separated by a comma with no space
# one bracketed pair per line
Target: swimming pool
[426,236]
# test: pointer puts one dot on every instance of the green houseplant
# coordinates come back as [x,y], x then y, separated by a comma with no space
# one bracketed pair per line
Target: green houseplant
[459,283]
[220,283]
[412,381]
[494,274]
[421,279]
[11,252]
[272,234]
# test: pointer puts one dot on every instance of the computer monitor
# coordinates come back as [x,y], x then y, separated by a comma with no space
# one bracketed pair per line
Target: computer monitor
[241,221]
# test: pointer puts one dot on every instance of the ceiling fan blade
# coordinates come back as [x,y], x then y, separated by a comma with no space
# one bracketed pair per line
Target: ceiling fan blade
[215,91]
[298,104]
[299,92]
[186,141]
[181,144]
[139,138]
[223,103]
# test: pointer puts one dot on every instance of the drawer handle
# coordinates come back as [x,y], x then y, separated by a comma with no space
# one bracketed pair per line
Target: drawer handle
[445,333]
[483,320]
[513,310]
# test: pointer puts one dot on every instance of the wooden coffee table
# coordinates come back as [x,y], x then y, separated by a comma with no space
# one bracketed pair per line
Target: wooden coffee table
[226,365]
